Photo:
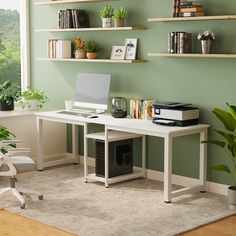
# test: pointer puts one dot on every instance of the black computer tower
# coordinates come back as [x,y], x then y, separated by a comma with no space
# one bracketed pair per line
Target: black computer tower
[120,158]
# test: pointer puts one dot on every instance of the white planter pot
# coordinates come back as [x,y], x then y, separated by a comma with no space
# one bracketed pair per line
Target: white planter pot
[31,105]
[106,22]
[232,197]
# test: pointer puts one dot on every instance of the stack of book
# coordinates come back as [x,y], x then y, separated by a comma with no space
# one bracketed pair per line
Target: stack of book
[73,18]
[59,48]
[141,109]
[183,8]
[179,42]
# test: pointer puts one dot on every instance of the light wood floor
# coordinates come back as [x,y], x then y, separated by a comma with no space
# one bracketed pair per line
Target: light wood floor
[225,227]
[14,225]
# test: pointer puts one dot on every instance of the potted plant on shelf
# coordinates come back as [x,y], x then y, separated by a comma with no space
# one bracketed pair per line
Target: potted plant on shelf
[91,49]
[5,134]
[106,14]
[206,37]
[9,92]
[228,143]
[33,99]
[119,17]
[80,52]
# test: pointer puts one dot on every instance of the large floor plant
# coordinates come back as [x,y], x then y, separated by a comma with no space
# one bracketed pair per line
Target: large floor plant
[228,143]
[5,134]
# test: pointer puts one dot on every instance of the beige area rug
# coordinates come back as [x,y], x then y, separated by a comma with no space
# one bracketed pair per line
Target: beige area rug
[12,224]
[132,208]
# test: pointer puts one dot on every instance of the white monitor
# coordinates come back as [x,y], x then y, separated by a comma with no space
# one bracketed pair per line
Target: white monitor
[92,91]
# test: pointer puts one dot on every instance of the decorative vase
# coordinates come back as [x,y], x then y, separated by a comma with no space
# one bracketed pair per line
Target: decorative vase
[206,46]
[232,197]
[7,107]
[92,55]
[80,54]
[119,107]
[119,22]
[106,22]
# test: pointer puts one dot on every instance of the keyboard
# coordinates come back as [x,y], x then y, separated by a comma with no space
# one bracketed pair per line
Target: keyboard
[75,113]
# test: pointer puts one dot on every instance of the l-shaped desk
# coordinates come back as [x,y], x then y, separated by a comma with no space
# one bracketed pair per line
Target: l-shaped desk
[135,127]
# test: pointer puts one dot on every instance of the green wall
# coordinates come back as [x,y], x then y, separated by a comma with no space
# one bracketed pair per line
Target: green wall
[205,82]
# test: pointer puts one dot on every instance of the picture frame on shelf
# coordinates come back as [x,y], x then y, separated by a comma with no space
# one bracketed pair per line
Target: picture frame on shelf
[118,52]
[131,48]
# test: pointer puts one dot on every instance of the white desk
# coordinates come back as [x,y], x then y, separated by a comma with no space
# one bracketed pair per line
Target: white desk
[137,127]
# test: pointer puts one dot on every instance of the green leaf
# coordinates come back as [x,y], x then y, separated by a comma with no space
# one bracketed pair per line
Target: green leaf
[223,168]
[232,110]
[226,118]
[216,142]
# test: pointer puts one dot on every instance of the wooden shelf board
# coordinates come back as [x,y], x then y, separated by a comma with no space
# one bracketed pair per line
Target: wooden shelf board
[93,60]
[197,18]
[93,29]
[192,55]
[67,2]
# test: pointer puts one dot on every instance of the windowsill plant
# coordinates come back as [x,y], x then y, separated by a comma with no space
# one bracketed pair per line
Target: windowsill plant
[9,92]
[33,99]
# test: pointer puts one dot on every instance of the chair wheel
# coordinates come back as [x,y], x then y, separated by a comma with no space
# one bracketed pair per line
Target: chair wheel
[22,206]
[40,197]
[21,193]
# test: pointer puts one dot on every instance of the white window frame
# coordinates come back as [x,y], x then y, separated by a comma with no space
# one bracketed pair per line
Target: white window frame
[25,44]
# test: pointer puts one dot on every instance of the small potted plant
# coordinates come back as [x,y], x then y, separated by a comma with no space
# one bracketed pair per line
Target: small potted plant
[80,51]
[206,37]
[9,92]
[119,17]
[5,134]
[91,49]
[106,14]
[33,99]
[228,143]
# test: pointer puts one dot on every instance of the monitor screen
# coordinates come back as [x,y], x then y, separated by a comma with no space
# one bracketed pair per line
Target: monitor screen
[92,91]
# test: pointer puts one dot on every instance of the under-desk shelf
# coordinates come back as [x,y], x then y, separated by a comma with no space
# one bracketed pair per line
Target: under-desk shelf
[113,136]
[193,55]
[67,2]
[92,60]
[196,18]
[128,28]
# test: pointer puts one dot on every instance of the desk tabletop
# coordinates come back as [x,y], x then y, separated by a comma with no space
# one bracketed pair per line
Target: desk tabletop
[123,124]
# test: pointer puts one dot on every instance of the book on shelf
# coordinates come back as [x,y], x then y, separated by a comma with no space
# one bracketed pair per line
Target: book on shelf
[59,49]
[191,14]
[192,9]
[73,18]
[179,42]
[180,7]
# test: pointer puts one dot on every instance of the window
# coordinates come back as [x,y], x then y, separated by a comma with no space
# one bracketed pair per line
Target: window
[14,48]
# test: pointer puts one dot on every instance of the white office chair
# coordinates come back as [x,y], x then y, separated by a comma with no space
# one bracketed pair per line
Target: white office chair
[11,164]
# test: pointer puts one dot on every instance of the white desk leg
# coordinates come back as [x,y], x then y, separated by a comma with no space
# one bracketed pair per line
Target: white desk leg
[75,140]
[106,158]
[144,156]
[40,164]
[168,169]
[203,160]
[85,152]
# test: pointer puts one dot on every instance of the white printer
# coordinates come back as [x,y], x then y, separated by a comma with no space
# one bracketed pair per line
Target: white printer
[174,113]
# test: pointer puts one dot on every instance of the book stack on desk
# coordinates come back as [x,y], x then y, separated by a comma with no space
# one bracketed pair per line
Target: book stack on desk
[187,9]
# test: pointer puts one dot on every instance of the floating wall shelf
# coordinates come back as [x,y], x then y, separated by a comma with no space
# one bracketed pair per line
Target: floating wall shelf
[197,18]
[93,29]
[193,55]
[67,1]
[94,60]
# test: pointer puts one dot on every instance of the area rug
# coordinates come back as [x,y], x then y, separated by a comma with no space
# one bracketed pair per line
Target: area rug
[132,208]
[12,224]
